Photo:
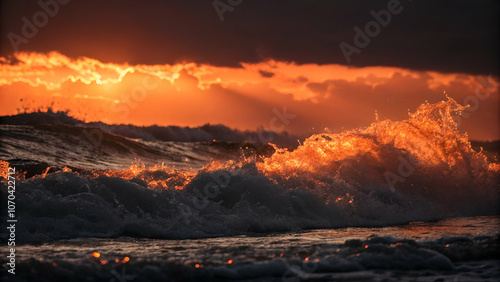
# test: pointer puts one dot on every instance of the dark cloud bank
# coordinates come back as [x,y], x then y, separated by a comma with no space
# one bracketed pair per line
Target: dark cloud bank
[445,36]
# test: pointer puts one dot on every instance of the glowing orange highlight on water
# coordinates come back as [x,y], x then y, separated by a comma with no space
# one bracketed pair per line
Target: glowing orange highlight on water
[96,254]
[4,167]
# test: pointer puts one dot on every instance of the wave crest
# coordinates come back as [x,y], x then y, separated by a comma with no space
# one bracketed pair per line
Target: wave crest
[388,173]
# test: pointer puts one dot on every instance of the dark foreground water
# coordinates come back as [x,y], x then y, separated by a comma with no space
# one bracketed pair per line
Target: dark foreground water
[459,249]
[96,202]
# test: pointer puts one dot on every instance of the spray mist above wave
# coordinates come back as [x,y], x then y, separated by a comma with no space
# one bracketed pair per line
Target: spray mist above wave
[424,156]
[392,172]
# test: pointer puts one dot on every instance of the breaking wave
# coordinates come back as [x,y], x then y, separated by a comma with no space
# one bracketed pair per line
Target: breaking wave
[391,172]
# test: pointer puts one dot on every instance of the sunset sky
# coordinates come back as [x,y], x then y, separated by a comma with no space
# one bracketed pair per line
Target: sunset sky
[232,62]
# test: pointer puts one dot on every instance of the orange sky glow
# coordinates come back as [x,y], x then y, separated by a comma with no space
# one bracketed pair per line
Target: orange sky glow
[329,96]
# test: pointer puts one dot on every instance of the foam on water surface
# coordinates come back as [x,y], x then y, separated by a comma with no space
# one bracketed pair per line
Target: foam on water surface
[388,173]
[399,253]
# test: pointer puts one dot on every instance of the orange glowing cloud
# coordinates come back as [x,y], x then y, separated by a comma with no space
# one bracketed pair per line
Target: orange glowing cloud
[190,94]
[53,69]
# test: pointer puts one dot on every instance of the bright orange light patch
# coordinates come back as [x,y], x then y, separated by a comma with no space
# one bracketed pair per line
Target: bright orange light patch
[103,261]
[66,169]
[197,265]
[33,70]
[230,261]
[96,254]
[177,181]
[4,167]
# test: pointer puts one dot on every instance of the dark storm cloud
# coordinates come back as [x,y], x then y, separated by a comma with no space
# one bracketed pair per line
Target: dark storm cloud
[264,73]
[447,36]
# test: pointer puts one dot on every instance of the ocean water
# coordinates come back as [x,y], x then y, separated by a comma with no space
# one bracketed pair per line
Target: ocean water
[407,200]
[459,249]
